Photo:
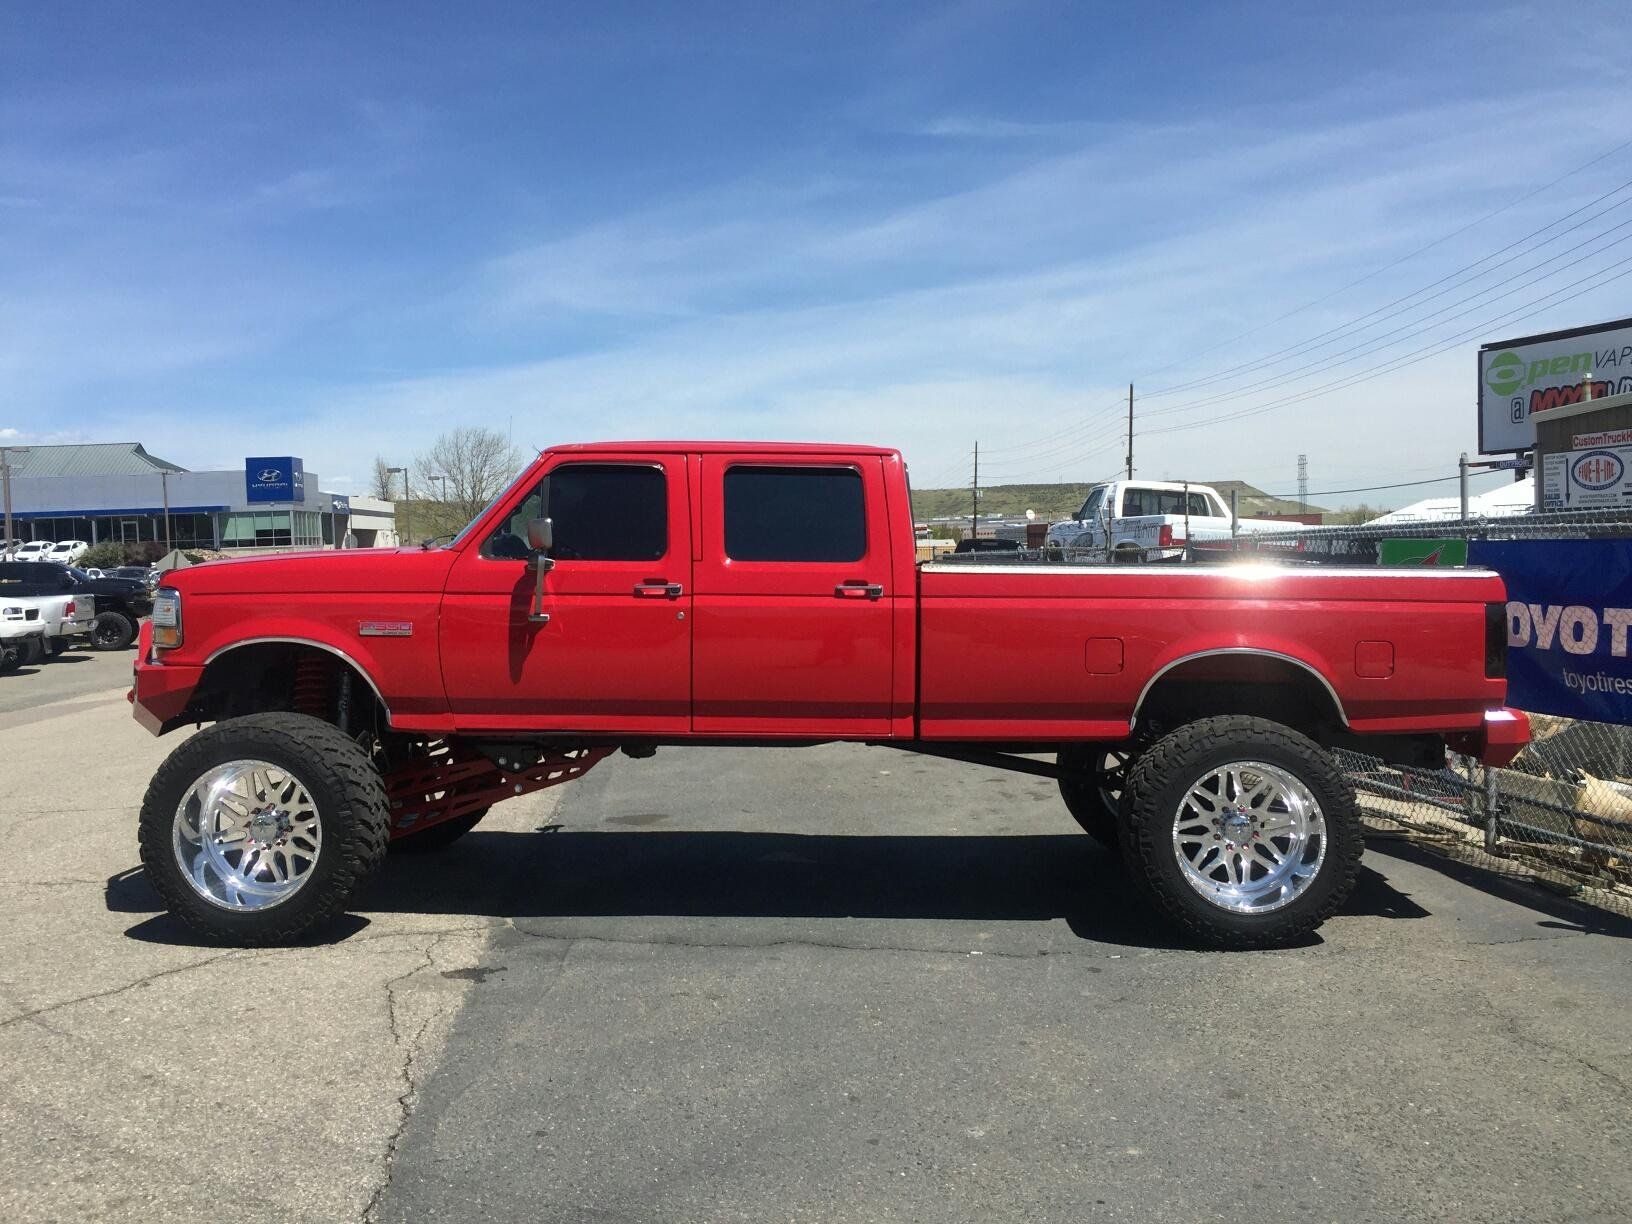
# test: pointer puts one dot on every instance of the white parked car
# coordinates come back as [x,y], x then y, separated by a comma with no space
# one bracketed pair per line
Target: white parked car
[1148,520]
[66,552]
[32,550]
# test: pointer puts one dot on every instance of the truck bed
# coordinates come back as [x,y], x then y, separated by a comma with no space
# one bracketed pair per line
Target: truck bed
[1069,652]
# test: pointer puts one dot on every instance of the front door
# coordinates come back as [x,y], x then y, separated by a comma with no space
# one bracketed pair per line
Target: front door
[794,634]
[615,651]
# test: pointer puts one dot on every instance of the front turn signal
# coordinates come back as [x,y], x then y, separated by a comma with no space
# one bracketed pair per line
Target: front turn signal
[166,619]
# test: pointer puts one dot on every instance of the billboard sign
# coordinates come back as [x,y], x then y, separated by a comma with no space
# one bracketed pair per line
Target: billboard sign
[1592,479]
[1569,611]
[278,478]
[1519,379]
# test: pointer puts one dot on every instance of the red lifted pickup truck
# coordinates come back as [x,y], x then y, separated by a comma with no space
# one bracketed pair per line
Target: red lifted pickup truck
[632,595]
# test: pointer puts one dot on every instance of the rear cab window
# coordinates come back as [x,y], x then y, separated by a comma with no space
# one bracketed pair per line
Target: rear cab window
[809,514]
[1138,502]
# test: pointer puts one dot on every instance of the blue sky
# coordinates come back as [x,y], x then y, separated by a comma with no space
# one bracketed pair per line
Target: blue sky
[337,230]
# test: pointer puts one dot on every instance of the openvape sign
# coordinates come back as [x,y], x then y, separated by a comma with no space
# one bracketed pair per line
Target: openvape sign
[278,478]
[1533,374]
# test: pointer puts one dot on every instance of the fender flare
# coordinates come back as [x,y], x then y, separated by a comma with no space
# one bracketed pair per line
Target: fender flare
[1261,652]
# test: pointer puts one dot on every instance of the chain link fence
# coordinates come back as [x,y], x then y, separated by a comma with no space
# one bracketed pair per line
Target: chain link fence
[1560,814]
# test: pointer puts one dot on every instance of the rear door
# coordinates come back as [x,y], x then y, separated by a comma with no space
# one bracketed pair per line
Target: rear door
[615,651]
[793,631]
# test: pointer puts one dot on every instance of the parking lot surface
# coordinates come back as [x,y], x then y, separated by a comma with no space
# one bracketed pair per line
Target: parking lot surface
[829,984]
[80,672]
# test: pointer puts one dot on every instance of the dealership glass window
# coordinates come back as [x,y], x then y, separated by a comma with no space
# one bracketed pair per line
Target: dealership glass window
[794,514]
[192,531]
[597,512]
[60,529]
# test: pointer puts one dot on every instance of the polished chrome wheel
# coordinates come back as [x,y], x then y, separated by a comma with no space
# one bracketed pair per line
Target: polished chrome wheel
[1249,837]
[246,835]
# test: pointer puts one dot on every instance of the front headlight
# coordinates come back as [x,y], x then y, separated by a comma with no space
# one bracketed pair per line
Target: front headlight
[166,618]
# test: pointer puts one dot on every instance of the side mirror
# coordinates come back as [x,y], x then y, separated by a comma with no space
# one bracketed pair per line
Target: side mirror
[540,538]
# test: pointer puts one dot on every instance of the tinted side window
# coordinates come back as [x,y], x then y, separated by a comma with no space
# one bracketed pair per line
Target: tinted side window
[33,578]
[1162,501]
[599,512]
[794,514]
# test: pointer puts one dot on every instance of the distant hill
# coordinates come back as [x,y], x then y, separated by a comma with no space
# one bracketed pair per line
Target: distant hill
[1050,501]
[1057,501]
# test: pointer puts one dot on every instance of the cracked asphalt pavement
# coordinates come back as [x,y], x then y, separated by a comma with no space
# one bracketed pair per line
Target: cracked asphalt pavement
[812,985]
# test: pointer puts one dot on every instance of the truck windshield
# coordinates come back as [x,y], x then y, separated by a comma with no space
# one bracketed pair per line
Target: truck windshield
[477,517]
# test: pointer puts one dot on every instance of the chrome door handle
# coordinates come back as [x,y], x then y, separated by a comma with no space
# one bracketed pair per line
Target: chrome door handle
[856,589]
[657,589]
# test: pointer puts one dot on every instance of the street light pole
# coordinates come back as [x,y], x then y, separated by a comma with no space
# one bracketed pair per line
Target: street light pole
[6,453]
[164,482]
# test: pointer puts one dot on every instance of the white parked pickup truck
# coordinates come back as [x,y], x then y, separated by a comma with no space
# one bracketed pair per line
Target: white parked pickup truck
[22,637]
[52,603]
[1147,520]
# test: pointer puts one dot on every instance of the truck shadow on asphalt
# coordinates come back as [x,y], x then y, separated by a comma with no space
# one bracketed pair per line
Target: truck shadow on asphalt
[691,874]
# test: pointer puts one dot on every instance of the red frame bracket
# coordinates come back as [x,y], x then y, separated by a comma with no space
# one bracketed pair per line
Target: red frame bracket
[454,780]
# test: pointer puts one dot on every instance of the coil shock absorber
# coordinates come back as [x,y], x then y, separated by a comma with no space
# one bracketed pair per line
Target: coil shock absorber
[311,690]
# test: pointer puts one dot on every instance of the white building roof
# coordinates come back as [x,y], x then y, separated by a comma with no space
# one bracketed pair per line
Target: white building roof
[1516,498]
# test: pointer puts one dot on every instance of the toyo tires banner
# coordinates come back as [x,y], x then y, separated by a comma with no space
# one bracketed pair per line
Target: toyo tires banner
[1569,613]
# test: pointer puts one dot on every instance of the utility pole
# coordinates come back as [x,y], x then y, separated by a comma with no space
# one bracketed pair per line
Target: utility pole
[974,500]
[1303,484]
[6,453]
[1130,431]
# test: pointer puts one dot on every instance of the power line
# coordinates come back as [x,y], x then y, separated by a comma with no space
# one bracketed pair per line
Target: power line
[1405,332]
[1312,342]
[1108,441]
[1441,240]
[1422,354]
[1403,484]
[1078,431]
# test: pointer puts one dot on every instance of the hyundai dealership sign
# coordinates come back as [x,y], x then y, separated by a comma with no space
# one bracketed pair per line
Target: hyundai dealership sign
[281,478]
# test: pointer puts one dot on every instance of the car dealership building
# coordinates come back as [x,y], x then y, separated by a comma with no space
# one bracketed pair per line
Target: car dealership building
[117,491]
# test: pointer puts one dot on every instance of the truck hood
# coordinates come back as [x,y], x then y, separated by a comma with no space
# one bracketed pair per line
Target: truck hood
[382,570]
